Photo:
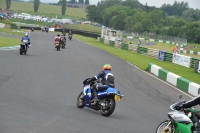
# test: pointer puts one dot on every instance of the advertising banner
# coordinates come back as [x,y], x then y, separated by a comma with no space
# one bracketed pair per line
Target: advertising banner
[181,60]
[199,68]
[161,55]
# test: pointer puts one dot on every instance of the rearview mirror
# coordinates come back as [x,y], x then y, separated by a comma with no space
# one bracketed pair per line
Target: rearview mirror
[180,96]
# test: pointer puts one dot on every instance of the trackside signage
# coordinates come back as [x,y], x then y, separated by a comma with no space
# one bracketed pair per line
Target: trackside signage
[161,55]
[181,60]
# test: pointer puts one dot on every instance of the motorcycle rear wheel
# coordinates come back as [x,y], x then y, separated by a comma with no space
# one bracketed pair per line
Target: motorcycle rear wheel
[58,48]
[110,106]
[160,128]
[21,51]
[80,102]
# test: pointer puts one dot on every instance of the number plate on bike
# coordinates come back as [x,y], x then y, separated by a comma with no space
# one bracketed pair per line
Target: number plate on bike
[57,44]
[117,98]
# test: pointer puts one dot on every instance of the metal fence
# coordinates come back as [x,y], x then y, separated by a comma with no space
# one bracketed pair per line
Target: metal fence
[157,37]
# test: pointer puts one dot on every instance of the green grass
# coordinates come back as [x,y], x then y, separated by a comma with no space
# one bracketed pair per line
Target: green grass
[142,61]
[84,27]
[5,41]
[197,48]
[18,32]
[47,10]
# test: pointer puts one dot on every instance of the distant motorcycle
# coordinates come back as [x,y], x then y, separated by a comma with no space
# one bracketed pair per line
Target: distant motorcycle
[106,103]
[47,30]
[64,34]
[70,37]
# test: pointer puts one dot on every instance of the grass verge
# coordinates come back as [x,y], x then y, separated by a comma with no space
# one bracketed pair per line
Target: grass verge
[6,41]
[142,61]
[84,27]
[18,32]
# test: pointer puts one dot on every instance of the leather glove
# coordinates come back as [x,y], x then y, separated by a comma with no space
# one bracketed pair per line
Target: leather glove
[179,107]
[91,79]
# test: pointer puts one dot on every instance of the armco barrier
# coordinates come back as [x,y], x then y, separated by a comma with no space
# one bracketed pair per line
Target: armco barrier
[80,32]
[168,57]
[142,50]
[176,80]
[27,27]
[192,62]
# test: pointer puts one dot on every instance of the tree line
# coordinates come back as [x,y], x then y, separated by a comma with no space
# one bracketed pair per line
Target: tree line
[177,19]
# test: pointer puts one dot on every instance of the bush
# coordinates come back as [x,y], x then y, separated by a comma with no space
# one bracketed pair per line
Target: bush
[5,21]
[13,26]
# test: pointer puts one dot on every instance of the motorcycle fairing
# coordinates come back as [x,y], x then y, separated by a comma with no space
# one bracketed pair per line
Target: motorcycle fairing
[88,94]
[183,128]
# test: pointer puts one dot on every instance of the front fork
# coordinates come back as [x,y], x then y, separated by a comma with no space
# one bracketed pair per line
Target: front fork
[166,129]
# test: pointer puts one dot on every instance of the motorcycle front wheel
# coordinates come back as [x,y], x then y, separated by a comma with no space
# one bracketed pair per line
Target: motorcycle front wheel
[80,100]
[162,128]
[109,107]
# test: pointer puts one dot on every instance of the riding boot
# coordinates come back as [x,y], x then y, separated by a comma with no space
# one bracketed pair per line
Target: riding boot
[95,94]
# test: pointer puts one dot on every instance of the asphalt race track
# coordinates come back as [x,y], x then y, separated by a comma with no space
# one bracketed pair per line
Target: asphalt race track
[38,91]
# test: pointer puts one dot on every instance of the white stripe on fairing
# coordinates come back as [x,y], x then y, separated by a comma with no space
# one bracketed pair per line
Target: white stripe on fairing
[142,70]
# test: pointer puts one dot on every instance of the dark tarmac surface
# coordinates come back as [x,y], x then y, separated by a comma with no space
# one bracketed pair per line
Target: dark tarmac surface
[38,91]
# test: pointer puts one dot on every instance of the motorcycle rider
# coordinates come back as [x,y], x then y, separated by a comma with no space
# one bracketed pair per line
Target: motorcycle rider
[63,39]
[107,81]
[63,32]
[26,40]
[57,40]
[70,33]
[195,116]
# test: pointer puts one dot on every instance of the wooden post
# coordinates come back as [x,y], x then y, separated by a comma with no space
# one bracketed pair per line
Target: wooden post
[196,66]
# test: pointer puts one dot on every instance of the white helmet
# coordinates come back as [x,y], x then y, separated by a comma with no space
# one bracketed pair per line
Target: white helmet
[26,34]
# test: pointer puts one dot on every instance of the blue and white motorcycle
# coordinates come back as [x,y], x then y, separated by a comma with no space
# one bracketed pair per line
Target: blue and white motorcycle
[106,103]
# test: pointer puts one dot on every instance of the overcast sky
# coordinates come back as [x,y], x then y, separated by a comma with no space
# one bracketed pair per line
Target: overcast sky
[192,3]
